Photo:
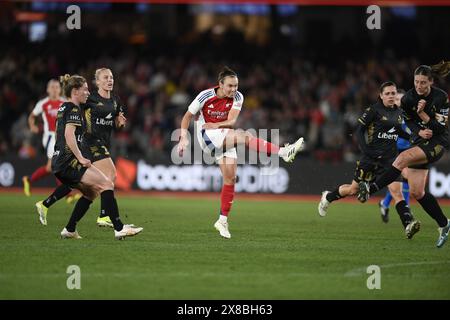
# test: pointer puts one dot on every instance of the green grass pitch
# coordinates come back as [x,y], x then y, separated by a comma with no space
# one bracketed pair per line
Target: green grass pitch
[278,250]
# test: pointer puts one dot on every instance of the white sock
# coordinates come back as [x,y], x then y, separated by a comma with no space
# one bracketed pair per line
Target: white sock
[223,218]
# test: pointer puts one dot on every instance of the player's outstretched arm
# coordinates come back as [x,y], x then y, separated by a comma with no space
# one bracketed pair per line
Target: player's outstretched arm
[184,141]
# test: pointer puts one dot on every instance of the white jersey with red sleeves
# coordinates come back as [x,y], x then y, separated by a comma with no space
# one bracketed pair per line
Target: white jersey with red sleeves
[210,108]
[49,110]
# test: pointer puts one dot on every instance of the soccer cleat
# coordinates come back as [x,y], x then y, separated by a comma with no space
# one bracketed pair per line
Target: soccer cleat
[412,228]
[222,227]
[128,230]
[42,211]
[323,204]
[26,186]
[288,152]
[104,222]
[363,191]
[384,212]
[74,198]
[70,235]
[443,235]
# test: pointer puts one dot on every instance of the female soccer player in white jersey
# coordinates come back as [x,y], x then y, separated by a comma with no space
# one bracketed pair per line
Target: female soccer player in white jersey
[48,108]
[216,111]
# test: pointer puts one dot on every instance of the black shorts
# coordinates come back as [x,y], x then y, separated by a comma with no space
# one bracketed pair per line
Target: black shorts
[71,174]
[433,149]
[367,169]
[95,152]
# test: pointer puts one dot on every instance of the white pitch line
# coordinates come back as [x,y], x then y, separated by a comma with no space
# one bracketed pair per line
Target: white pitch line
[359,271]
[147,274]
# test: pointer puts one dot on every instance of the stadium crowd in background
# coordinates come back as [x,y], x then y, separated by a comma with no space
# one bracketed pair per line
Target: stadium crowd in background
[319,100]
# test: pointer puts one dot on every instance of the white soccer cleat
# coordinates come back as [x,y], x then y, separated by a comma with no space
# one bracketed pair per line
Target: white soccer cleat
[128,230]
[289,151]
[42,212]
[443,235]
[323,204]
[70,235]
[222,227]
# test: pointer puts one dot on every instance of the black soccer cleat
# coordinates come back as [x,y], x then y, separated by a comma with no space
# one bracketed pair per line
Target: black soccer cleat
[363,191]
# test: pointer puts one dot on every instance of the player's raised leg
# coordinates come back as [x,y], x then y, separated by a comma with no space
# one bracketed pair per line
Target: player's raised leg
[287,153]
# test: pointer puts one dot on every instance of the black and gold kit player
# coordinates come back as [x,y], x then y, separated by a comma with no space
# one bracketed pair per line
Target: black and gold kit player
[65,165]
[436,107]
[379,128]
[377,135]
[426,114]
[100,114]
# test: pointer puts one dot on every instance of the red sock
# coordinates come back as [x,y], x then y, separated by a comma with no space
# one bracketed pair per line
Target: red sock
[226,199]
[39,173]
[261,145]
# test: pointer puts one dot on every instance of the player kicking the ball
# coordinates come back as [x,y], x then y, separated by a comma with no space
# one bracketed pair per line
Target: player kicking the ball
[216,110]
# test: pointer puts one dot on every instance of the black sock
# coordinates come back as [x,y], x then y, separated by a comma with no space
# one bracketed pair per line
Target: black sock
[385,179]
[431,206]
[333,195]
[103,213]
[59,193]
[404,213]
[78,212]
[109,205]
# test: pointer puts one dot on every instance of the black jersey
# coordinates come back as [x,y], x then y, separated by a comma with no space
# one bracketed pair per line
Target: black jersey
[436,108]
[380,127]
[100,116]
[68,113]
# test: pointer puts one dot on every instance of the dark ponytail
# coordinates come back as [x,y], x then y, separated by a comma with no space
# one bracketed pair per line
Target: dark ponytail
[442,69]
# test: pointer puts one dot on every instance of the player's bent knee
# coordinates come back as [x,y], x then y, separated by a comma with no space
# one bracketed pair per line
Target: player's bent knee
[397,196]
[109,185]
[417,194]
[90,195]
[96,189]
[404,159]
[230,180]
[105,184]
